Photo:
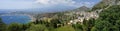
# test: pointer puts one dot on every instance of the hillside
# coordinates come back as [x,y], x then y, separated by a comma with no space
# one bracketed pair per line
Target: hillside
[109,19]
[104,3]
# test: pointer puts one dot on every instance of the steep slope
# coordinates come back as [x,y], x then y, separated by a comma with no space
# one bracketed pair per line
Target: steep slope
[109,19]
[104,3]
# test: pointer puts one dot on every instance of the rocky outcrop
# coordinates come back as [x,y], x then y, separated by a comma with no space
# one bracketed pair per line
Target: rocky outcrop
[105,3]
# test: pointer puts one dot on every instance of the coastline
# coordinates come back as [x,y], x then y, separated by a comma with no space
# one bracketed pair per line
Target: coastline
[31,17]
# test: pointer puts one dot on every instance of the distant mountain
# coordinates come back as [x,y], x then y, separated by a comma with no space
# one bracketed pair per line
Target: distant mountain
[83,8]
[40,10]
[36,11]
[2,11]
[44,10]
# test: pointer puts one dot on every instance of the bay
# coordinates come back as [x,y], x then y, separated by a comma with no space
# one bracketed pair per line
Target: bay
[22,19]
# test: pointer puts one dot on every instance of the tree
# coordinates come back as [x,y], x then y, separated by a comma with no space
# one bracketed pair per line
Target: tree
[100,25]
[105,29]
[78,27]
[14,27]
[118,24]
[54,22]
[114,28]
[37,27]
[94,29]
[65,28]
[88,24]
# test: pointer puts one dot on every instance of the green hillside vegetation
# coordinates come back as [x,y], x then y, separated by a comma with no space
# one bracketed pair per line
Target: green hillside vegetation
[100,5]
[109,20]
[37,27]
[65,28]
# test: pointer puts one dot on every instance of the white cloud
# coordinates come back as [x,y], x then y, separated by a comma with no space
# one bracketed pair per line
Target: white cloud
[42,1]
[64,2]
[15,4]
[54,2]
[89,4]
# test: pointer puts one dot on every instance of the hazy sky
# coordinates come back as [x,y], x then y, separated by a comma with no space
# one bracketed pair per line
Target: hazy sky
[29,4]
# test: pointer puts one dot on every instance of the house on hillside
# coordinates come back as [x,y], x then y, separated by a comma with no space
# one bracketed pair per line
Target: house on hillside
[86,16]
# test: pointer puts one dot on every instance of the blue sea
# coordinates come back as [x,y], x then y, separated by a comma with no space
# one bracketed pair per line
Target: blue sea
[22,19]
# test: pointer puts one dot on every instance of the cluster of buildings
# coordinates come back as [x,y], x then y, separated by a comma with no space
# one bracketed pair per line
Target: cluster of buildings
[84,16]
